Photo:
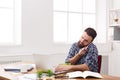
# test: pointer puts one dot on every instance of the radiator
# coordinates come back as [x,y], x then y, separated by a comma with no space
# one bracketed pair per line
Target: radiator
[10,62]
[15,58]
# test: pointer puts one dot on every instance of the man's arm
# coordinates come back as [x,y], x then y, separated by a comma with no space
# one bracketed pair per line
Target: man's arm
[80,67]
[74,59]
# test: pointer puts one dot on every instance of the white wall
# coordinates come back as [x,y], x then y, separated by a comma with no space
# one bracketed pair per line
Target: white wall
[116,4]
[114,64]
[101,20]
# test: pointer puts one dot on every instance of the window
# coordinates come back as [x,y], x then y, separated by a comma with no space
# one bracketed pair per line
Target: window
[71,17]
[10,22]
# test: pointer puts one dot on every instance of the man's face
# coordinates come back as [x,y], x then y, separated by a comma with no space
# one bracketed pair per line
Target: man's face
[85,40]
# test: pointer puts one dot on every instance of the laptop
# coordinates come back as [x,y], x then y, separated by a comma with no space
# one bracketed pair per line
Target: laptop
[48,61]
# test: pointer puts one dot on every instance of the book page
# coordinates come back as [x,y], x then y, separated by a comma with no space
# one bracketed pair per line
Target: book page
[91,74]
[84,74]
[75,74]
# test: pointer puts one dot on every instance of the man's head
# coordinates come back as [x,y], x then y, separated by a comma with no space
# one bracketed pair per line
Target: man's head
[87,37]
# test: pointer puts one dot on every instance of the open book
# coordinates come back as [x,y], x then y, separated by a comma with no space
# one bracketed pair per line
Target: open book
[84,74]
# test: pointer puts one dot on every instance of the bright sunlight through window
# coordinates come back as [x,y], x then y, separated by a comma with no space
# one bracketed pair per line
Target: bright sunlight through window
[10,22]
[71,17]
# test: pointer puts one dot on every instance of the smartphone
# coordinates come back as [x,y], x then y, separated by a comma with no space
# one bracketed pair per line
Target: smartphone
[87,46]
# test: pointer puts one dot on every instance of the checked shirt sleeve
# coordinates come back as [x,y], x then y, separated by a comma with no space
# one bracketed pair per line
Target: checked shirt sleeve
[92,59]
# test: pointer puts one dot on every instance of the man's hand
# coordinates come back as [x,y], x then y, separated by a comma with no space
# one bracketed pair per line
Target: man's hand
[82,51]
[75,58]
[63,68]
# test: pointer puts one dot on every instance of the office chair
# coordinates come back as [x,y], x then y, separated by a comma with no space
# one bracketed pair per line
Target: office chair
[99,62]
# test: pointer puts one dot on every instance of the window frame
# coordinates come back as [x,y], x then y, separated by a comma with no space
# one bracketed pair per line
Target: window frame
[67,41]
[16,25]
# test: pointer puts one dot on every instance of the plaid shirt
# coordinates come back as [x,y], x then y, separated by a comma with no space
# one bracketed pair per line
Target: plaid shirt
[90,58]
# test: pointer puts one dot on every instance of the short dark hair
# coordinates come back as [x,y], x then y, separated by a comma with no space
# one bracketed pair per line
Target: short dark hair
[91,32]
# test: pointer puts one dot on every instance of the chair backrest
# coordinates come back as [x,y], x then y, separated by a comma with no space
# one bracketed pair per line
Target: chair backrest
[99,62]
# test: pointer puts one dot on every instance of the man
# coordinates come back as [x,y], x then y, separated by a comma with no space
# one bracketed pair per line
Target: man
[83,55]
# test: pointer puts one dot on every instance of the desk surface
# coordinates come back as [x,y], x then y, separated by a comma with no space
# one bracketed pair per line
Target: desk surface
[12,75]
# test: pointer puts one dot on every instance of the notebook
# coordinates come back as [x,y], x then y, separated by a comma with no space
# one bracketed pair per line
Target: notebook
[48,61]
[19,67]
